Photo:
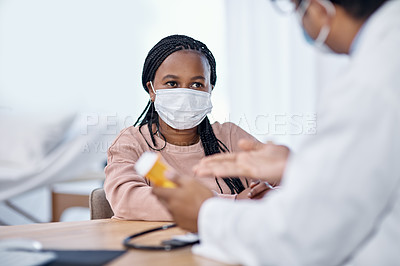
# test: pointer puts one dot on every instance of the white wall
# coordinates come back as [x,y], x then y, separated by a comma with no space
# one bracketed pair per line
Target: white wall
[273,75]
[88,54]
[61,56]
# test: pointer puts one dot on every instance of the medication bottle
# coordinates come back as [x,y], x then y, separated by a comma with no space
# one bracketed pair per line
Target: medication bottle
[151,166]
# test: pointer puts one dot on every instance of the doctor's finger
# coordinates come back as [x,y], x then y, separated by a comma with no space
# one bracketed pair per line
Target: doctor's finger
[250,145]
[173,176]
[222,169]
[218,158]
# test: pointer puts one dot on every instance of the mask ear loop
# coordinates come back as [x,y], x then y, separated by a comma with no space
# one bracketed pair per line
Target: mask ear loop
[302,10]
[151,115]
[323,35]
[154,91]
[324,32]
[152,88]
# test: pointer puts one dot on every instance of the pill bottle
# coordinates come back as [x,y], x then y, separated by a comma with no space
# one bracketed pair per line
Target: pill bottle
[151,166]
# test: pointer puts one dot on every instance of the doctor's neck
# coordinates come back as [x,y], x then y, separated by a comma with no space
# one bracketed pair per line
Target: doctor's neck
[179,137]
[344,30]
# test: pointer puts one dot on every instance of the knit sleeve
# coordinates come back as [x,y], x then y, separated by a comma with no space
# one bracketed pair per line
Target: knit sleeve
[128,193]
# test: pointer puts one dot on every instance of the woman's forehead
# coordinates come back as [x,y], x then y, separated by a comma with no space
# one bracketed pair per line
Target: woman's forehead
[185,60]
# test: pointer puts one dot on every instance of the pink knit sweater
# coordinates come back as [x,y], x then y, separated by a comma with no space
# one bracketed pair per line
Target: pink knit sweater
[130,194]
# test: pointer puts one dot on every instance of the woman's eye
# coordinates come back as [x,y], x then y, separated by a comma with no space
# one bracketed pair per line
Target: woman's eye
[197,85]
[171,83]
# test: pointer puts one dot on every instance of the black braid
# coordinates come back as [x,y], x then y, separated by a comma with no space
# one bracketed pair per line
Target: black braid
[211,146]
[154,59]
[151,118]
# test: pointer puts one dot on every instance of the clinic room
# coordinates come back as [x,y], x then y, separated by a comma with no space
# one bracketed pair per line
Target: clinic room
[214,132]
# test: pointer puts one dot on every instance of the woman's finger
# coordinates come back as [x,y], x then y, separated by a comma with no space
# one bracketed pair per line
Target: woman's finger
[257,190]
[254,183]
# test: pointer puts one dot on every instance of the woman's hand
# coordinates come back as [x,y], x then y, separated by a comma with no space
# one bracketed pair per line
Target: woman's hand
[257,161]
[257,190]
[243,195]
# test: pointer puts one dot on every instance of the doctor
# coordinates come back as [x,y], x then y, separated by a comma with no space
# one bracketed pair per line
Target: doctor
[339,202]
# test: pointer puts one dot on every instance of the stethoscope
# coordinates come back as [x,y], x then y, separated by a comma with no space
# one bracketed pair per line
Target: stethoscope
[166,245]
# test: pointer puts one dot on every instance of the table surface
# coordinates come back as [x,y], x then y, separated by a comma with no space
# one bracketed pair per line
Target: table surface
[107,234]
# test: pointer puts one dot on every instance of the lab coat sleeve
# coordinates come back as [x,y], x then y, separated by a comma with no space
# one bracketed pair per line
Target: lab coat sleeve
[336,191]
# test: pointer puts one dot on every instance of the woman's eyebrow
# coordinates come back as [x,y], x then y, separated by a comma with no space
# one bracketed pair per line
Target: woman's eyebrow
[170,77]
[198,77]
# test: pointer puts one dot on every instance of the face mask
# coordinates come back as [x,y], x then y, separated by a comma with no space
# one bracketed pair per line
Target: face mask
[319,42]
[182,108]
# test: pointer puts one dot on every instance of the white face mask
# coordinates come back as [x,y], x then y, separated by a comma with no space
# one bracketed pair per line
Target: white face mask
[319,42]
[182,108]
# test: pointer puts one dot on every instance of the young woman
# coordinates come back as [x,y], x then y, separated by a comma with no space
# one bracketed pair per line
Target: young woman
[179,74]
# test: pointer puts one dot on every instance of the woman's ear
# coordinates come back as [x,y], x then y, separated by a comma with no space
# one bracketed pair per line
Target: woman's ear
[151,92]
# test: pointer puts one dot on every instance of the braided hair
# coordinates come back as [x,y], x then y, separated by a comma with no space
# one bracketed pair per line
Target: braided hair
[154,59]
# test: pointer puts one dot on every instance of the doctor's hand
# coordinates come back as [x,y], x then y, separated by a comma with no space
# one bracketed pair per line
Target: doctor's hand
[184,201]
[257,161]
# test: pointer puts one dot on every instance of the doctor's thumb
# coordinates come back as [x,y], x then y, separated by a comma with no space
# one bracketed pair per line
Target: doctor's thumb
[249,144]
[173,176]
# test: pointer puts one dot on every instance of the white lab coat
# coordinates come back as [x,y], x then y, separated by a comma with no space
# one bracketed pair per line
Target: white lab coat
[340,198]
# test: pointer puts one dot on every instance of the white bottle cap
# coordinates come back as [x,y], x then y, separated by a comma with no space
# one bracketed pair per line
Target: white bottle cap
[146,162]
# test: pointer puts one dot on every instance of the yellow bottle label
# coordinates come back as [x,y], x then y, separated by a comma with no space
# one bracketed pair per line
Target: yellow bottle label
[157,175]
[151,166]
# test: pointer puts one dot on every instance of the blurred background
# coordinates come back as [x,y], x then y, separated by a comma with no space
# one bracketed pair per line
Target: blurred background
[70,80]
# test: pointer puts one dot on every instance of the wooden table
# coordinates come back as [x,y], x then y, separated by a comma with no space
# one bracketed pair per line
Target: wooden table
[107,234]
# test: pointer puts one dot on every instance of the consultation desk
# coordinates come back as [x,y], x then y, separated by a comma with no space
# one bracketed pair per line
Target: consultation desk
[107,234]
